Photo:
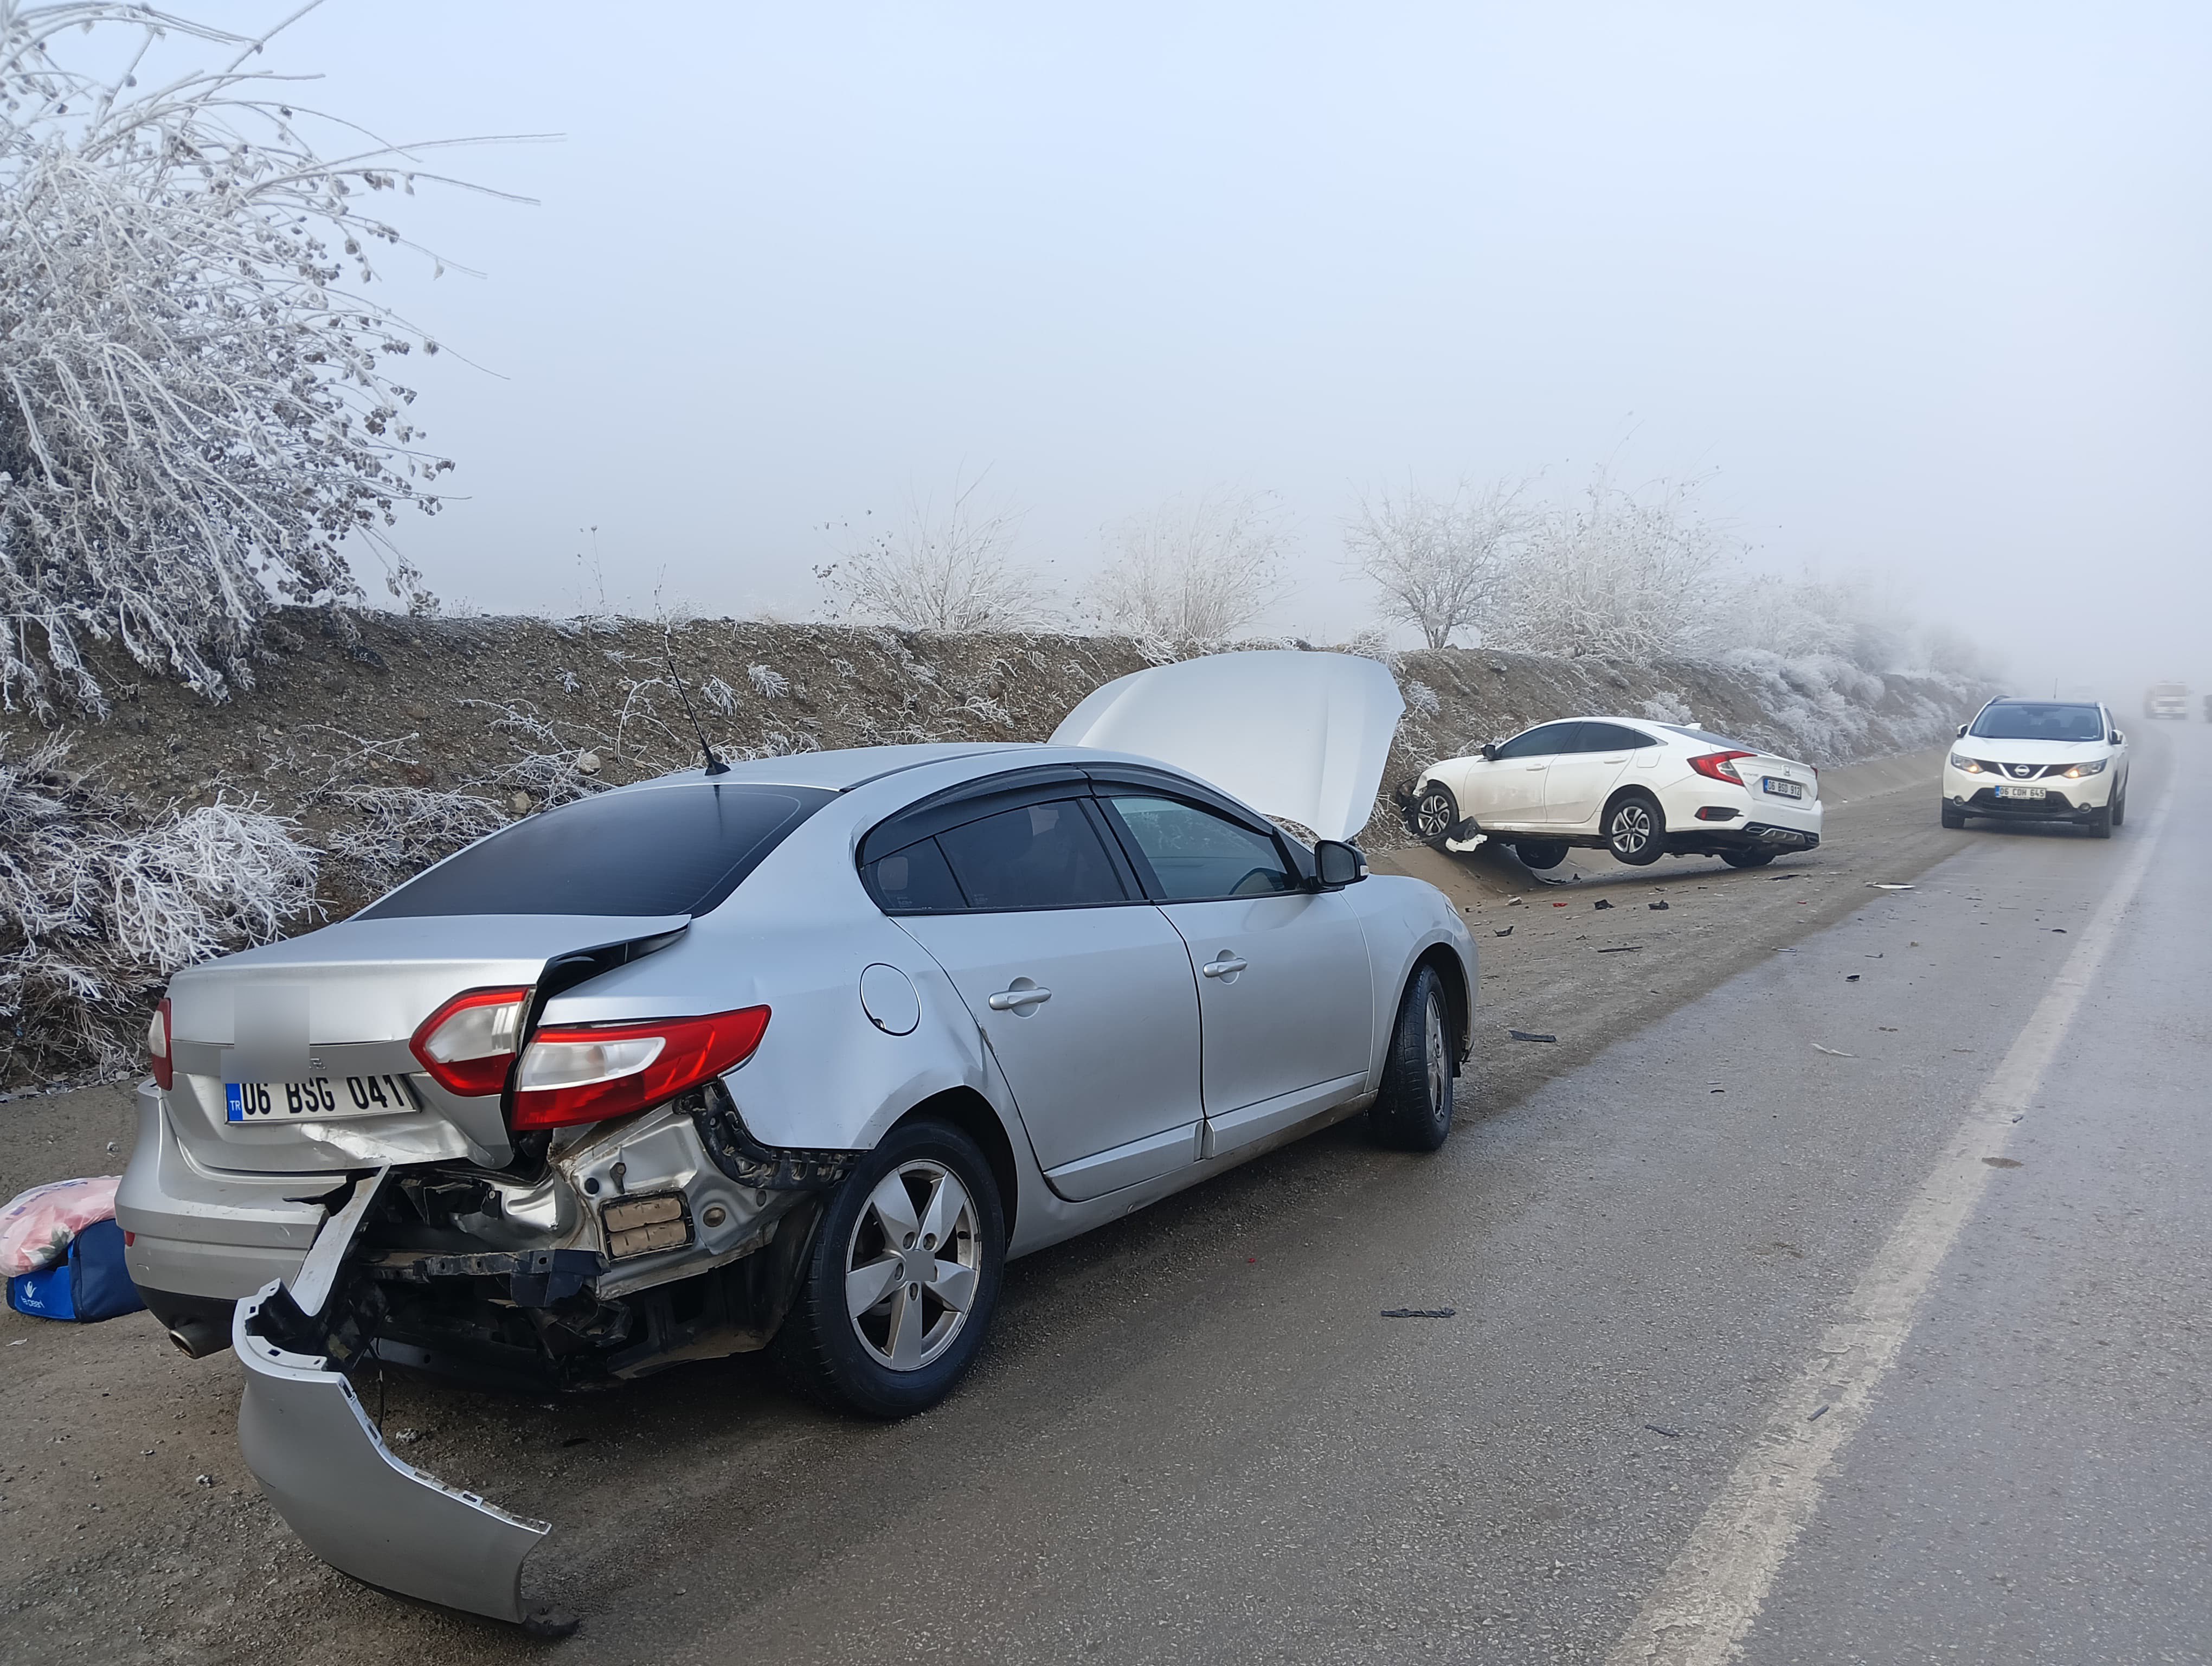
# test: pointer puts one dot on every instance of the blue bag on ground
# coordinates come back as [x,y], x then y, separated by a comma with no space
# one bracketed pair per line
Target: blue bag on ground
[90,1283]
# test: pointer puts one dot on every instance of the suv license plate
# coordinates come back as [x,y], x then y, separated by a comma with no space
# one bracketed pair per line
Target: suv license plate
[2020,792]
[322,1097]
[1784,790]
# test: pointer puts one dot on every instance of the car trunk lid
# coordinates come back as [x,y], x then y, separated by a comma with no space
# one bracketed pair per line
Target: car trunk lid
[339,1006]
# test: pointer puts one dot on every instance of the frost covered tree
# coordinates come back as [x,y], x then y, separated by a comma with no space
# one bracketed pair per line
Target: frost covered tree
[198,407]
[1618,574]
[950,571]
[1436,561]
[1194,572]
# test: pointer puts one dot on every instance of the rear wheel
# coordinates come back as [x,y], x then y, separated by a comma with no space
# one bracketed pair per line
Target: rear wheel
[1636,830]
[1413,1112]
[1953,816]
[1746,858]
[1541,853]
[902,1280]
[2101,822]
[1433,814]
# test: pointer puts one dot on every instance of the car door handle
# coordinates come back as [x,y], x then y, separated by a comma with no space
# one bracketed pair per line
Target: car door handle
[1227,965]
[1012,1000]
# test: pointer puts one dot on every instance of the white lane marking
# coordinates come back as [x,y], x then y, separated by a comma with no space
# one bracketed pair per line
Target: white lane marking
[1707,1599]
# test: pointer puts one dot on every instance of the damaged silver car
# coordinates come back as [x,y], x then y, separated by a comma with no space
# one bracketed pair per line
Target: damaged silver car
[794,1055]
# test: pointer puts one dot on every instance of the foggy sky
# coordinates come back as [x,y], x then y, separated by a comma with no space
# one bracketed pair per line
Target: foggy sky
[1922,290]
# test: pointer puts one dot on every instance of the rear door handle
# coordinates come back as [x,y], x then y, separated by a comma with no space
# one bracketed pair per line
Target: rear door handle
[1012,1000]
[1227,965]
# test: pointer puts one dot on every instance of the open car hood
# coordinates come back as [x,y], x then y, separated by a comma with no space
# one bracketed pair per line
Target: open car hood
[1298,735]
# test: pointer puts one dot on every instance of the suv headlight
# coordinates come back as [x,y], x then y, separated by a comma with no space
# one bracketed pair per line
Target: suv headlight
[1972,766]
[2095,766]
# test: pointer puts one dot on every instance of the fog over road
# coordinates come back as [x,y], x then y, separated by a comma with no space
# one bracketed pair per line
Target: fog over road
[1196,1437]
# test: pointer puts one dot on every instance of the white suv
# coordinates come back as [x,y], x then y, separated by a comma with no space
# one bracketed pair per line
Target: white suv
[2039,760]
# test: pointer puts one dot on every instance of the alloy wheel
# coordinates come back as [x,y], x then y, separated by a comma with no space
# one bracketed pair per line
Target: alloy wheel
[1435,1056]
[1432,814]
[1631,828]
[912,1264]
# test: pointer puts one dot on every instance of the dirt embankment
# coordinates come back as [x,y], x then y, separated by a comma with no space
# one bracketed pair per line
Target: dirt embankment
[512,713]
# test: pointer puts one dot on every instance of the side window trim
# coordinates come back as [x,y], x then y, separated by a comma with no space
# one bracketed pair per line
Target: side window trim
[1087,810]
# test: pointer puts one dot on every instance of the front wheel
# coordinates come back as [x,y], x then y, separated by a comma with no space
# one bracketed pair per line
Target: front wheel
[1413,1112]
[1635,830]
[1433,814]
[1951,816]
[2101,822]
[2120,809]
[902,1279]
[1746,858]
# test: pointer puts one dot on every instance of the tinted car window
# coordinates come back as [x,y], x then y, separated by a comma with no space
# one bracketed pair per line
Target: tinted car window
[676,849]
[1610,737]
[2039,720]
[915,880]
[1551,737]
[1040,856]
[1194,854]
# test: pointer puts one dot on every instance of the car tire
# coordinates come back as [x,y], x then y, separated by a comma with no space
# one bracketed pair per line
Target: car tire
[2101,822]
[1951,816]
[2120,809]
[1541,853]
[1433,813]
[852,1362]
[1636,830]
[1747,858]
[1413,1112]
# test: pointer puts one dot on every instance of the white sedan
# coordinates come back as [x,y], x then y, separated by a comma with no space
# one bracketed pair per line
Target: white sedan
[1638,788]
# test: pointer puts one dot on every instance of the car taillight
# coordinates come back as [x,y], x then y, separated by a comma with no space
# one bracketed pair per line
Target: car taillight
[587,1073]
[468,1044]
[157,1048]
[1720,766]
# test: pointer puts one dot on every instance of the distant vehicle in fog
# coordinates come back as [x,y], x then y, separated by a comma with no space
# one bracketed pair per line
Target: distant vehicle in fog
[2169,700]
[2039,760]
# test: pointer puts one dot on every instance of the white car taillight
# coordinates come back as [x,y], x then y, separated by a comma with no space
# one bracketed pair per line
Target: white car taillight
[157,1048]
[588,1072]
[580,1063]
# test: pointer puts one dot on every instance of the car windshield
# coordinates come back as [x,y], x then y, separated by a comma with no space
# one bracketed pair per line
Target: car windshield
[2038,719]
[677,849]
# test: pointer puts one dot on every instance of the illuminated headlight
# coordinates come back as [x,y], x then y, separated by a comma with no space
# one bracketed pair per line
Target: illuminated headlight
[1972,766]
[2095,766]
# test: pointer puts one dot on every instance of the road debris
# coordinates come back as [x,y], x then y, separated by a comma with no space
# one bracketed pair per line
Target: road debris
[1660,1429]
[1624,948]
[1832,1052]
[1658,908]
[1514,901]
[1530,1035]
[1877,884]
[1506,931]
[1420,1313]
[1850,978]
[1818,1415]
[1600,903]
[2004,1162]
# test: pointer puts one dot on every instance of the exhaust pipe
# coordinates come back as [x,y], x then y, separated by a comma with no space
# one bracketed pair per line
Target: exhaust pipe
[197,1338]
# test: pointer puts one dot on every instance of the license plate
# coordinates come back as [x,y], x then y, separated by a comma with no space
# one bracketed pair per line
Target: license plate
[322,1098]
[1784,790]
[2020,792]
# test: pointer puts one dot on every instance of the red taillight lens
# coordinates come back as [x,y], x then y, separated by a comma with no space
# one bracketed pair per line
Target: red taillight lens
[468,1044]
[1720,766]
[588,1072]
[157,1048]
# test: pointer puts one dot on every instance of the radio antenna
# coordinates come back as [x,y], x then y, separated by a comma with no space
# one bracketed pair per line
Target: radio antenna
[714,765]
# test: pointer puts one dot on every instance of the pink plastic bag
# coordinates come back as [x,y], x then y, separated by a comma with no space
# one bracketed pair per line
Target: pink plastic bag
[35,1229]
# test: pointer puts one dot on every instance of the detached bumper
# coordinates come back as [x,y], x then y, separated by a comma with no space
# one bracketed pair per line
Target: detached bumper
[335,1482]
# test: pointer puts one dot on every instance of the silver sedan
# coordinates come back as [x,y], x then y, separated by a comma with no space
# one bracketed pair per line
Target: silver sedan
[795,1054]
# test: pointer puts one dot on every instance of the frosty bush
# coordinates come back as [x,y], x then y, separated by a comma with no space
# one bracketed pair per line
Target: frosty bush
[196,407]
[97,907]
[1192,573]
[1437,561]
[951,572]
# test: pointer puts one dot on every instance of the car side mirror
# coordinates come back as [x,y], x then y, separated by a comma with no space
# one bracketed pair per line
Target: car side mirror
[2120,738]
[1337,865]
[1962,732]
[1489,751]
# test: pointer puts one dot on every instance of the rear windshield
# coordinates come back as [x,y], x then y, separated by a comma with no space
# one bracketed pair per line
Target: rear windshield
[666,850]
[2039,720]
[1707,736]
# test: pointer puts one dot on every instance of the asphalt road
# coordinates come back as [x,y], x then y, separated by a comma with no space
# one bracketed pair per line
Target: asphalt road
[1195,1436]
